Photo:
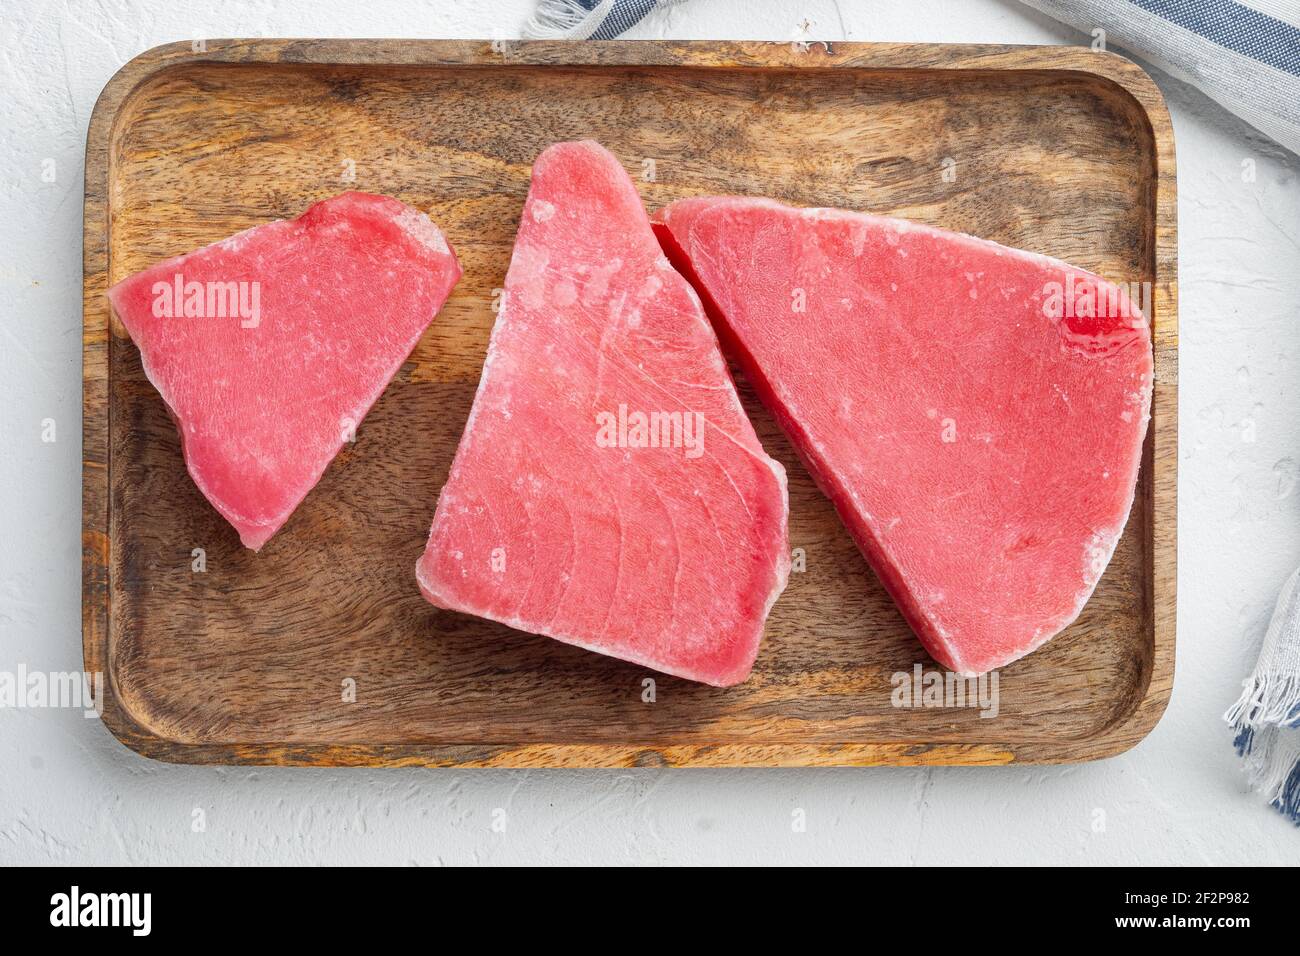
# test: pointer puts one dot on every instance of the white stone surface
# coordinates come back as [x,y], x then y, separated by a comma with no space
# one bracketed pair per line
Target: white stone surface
[70,793]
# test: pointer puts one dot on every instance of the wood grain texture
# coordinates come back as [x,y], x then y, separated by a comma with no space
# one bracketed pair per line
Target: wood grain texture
[1058,150]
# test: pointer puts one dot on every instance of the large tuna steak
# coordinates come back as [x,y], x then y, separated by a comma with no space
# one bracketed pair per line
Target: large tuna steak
[269,347]
[975,413]
[609,490]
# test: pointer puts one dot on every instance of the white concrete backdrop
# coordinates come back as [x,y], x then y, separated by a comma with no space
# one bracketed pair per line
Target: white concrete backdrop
[70,793]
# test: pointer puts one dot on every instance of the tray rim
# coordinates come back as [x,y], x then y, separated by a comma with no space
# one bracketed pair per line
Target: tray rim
[1117,737]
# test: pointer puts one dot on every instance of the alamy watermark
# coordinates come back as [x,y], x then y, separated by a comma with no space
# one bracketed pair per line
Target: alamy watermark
[208,300]
[75,690]
[1086,298]
[637,429]
[945,689]
[74,908]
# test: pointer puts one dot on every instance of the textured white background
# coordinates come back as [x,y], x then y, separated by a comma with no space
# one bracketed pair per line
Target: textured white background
[70,793]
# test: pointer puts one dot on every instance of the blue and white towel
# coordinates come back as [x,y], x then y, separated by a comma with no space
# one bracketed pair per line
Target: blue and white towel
[1243,53]
[1266,718]
[588,19]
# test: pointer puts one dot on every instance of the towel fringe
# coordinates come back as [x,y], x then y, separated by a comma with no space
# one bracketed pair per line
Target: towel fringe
[1266,717]
[1272,698]
[1271,760]
[1266,720]
[566,20]
[1288,799]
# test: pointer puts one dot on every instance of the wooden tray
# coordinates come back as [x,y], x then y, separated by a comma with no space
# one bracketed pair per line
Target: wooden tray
[1059,150]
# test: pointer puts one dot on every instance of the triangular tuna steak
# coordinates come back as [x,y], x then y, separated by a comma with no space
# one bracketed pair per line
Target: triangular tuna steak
[270,347]
[975,412]
[609,490]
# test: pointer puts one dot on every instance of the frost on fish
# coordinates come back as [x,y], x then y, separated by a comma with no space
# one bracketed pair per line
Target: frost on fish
[264,403]
[990,402]
[571,516]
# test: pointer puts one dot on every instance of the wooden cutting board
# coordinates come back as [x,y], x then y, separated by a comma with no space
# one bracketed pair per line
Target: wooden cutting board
[320,649]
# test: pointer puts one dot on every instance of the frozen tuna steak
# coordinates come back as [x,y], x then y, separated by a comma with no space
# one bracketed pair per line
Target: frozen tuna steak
[609,490]
[269,347]
[976,413]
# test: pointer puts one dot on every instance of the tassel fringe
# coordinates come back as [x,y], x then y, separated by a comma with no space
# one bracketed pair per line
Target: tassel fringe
[1266,720]
[1267,699]
[589,19]
[1266,717]
[566,20]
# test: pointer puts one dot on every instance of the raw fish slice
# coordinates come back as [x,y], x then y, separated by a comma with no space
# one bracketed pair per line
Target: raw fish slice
[977,426]
[269,347]
[554,519]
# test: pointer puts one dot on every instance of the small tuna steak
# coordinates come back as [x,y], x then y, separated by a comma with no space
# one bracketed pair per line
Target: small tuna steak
[976,413]
[609,490]
[269,347]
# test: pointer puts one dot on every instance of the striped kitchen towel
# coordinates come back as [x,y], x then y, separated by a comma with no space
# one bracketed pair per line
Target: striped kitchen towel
[1243,53]
[1266,718]
[588,19]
